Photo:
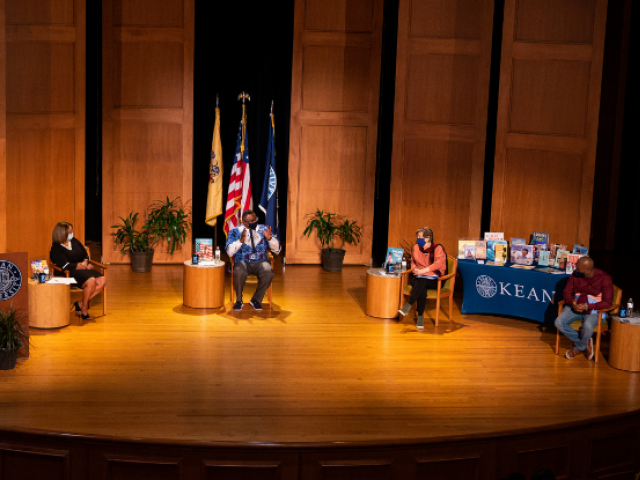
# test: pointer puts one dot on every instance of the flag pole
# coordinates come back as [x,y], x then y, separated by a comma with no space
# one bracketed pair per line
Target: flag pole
[215,231]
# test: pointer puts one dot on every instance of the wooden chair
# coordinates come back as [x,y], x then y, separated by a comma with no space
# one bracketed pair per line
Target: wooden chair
[445,288]
[254,279]
[600,327]
[104,274]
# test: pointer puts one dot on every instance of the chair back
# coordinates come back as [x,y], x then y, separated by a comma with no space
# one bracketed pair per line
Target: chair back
[617,299]
[452,269]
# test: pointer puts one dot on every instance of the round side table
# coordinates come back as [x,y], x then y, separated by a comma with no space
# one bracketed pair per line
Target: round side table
[624,348]
[382,294]
[203,285]
[49,305]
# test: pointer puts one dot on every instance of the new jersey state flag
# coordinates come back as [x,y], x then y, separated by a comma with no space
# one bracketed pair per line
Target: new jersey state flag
[269,199]
[214,196]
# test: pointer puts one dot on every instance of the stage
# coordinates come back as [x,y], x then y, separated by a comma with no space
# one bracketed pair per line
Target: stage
[313,372]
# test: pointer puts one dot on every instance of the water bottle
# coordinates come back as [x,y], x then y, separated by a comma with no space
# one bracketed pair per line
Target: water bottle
[404,264]
[217,257]
[630,307]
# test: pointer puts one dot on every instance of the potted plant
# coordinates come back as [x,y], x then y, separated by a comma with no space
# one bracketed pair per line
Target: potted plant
[164,221]
[328,229]
[12,337]
[138,243]
[168,221]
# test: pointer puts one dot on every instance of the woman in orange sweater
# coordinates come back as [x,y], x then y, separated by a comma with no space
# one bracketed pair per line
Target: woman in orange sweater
[428,263]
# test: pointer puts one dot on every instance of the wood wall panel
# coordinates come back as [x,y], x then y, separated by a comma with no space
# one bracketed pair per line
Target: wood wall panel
[442,91]
[33,88]
[548,109]
[352,16]
[45,119]
[3,129]
[334,118]
[147,111]
[41,12]
[20,462]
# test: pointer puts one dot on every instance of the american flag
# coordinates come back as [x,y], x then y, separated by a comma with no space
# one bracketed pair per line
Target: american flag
[239,196]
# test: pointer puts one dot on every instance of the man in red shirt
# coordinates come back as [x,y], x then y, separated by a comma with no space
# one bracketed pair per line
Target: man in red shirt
[589,289]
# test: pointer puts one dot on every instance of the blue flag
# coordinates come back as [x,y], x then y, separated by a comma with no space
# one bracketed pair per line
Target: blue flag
[269,199]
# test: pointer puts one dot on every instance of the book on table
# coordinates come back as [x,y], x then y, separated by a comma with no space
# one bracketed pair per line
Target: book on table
[518,241]
[572,260]
[554,271]
[501,252]
[543,258]
[577,248]
[393,257]
[523,267]
[38,266]
[470,252]
[204,248]
[493,236]
[491,248]
[462,243]
[522,254]
[553,252]
[481,249]
[541,241]
[561,259]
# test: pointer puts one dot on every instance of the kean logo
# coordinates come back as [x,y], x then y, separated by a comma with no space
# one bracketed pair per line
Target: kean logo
[10,280]
[486,286]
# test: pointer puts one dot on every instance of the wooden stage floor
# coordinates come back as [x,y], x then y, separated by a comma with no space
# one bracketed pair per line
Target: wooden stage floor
[314,370]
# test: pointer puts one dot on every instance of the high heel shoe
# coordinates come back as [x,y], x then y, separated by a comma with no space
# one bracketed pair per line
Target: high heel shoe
[77,308]
[85,317]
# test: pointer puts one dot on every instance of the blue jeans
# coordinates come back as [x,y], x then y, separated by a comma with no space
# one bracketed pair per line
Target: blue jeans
[567,317]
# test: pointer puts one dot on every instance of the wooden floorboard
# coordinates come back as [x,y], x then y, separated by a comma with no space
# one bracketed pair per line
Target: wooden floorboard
[315,369]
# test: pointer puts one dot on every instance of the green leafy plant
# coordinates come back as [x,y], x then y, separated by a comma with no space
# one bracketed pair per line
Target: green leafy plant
[328,229]
[12,337]
[130,239]
[168,220]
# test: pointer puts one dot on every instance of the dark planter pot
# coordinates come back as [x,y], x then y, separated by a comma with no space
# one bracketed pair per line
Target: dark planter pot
[332,259]
[8,359]
[141,261]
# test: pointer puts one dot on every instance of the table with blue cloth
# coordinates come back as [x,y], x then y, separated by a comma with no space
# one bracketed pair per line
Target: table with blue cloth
[511,291]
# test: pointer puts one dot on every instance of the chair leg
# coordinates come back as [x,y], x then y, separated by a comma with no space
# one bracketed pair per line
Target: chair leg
[437,310]
[451,307]
[557,342]
[231,288]
[104,301]
[596,354]
[271,296]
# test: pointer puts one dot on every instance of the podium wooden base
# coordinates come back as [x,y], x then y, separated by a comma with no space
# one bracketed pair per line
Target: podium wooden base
[203,286]
[382,294]
[624,349]
[49,305]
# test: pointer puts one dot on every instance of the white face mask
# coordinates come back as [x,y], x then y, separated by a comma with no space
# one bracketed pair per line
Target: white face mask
[70,236]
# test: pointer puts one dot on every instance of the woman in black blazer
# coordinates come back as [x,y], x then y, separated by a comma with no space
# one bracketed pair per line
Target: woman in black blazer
[68,254]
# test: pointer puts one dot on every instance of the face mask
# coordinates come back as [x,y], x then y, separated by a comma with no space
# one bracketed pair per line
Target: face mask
[421,242]
[252,225]
[70,236]
[578,274]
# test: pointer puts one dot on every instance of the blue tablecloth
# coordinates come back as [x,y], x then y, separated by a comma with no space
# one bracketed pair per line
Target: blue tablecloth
[511,291]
